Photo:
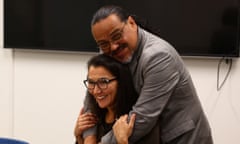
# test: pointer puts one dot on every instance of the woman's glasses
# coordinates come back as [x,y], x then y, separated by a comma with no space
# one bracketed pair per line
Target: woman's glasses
[102,83]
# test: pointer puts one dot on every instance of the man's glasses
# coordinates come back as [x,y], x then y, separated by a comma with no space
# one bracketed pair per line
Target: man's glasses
[105,46]
[102,83]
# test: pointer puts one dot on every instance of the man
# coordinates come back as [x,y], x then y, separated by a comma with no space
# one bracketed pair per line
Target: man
[168,109]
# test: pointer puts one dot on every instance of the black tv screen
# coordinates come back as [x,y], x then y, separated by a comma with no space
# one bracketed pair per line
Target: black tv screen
[193,27]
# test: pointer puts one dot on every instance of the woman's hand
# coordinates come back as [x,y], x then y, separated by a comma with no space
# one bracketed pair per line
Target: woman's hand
[123,129]
[84,122]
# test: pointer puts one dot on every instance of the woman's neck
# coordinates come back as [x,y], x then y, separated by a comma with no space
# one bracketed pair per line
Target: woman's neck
[110,116]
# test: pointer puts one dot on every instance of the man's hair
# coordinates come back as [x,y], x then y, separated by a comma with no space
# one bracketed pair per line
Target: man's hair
[106,11]
[123,15]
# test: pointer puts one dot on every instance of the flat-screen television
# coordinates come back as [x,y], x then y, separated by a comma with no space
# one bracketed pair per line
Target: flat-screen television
[193,27]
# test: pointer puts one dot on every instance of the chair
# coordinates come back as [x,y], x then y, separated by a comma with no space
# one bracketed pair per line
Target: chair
[11,141]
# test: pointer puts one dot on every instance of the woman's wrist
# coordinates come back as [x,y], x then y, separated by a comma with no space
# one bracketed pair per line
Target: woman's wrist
[79,139]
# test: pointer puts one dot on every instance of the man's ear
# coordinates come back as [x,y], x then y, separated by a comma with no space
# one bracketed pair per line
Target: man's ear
[132,22]
[131,19]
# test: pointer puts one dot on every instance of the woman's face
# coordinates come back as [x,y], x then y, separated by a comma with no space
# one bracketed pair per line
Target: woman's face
[105,97]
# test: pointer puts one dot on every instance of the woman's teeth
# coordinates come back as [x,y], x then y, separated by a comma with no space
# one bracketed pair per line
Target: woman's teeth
[100,97]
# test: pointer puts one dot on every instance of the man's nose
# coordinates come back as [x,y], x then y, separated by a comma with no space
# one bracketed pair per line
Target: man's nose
[114,46]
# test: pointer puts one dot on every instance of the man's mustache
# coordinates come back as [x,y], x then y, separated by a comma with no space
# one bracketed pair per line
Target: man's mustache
[121,47]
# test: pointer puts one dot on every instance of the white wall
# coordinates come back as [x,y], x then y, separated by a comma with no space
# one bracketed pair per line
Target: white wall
[48,94]
[41,93]
[6,91]
[222,107]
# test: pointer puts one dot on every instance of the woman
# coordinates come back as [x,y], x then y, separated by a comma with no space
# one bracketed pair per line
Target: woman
[110,95]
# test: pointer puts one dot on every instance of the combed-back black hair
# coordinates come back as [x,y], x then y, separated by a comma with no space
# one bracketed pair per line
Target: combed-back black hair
[123,15]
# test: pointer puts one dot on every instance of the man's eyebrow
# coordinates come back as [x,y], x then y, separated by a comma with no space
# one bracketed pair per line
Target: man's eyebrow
[101,41]
[114,32]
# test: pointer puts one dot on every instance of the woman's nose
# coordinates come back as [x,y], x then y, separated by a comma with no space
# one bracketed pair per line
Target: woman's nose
[96,89]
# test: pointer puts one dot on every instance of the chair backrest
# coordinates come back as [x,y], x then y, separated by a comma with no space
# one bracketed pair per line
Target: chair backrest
[11,141]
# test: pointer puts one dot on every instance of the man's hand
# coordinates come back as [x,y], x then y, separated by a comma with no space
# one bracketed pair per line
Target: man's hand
[123,129]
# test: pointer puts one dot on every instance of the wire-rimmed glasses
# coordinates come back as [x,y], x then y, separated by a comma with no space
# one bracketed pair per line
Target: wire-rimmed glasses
[105,46]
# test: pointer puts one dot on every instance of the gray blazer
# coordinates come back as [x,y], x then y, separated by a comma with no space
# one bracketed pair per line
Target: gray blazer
[167,94]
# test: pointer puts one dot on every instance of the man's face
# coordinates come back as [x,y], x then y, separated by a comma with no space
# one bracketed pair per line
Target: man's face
[116,38]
